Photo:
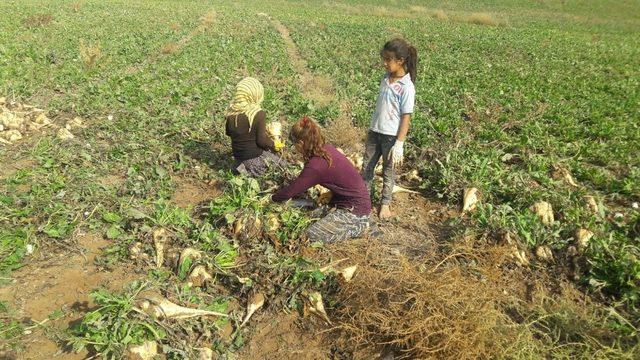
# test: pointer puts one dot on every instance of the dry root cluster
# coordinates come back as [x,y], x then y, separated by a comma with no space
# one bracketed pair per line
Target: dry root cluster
[435,311]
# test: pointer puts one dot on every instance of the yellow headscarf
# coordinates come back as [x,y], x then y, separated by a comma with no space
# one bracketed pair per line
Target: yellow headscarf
[247,100]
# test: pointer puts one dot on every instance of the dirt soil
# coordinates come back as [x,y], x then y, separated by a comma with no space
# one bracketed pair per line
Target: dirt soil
[10,168]
[190,193]
[57,288]
[285,336]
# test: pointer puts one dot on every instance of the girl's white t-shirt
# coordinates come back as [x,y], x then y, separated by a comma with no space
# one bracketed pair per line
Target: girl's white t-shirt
[393,101]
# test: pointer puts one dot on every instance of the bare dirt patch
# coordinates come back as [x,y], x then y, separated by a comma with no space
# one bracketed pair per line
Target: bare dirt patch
[9,168]
[284,337]
[112,180]
[37,20]
[190,193]
[58,288]
[417,220]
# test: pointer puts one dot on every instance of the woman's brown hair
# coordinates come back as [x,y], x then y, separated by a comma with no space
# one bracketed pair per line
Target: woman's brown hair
[307,131]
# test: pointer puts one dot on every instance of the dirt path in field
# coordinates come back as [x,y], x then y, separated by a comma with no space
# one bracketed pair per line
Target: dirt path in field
[206,21]
[318,88]
[55,293]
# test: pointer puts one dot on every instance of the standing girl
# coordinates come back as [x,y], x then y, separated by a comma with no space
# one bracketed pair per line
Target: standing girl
[247,129]
[390,122]
[328,167]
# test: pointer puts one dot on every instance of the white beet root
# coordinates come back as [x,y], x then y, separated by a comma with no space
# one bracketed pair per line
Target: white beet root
[65,134]
[145,351]
[205,354]
[400,189]
[592,204]
[330,267]
[275,129]
[324,195]
[12,135]
[413,176]
[238,226]
[162,308]
[272,223]
[564,174]
[470,199]
[520,257]
[583,236]
[199,276]
[348,272]
[76,122]
[316,306]
[255,303]
[544,253]
[135,250]
[42,119]
[160,242]
[569,179]
[544,210]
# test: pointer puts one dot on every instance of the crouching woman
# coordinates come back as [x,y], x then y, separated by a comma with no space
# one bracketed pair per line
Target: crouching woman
[246,126]
[324,165]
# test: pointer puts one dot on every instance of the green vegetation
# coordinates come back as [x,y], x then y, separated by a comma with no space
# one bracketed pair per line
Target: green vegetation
[114,325]
[511,96]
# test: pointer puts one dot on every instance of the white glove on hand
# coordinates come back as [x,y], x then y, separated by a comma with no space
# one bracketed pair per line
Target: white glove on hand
[396,153]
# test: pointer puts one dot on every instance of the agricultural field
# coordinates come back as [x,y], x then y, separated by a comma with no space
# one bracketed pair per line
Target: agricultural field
[123,232]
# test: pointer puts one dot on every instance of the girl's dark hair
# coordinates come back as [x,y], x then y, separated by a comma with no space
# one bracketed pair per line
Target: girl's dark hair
[403,51]
[312,140]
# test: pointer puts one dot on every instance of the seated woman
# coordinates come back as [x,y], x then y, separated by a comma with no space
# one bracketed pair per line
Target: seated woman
[328,167]
[246,127]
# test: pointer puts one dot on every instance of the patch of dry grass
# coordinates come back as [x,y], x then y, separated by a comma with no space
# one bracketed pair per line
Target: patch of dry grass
[381,11]
[169,48]
[318,88]
[344,8]
[343,133]
[38,20]
[482,18]
[440,15]
[208,18]
[89,53]
[429,311]
[418,9]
